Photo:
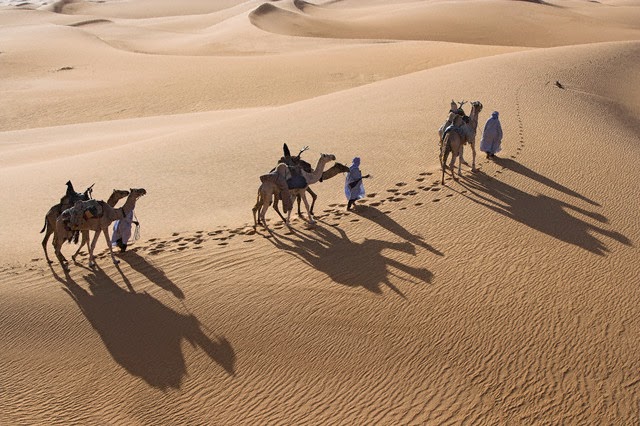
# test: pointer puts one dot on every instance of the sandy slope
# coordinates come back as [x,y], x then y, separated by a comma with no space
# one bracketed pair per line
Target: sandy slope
[508,297]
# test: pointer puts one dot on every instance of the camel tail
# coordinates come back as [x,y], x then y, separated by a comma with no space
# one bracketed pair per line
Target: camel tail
[44,228]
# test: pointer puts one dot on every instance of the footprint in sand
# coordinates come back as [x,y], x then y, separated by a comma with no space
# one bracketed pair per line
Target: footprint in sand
[175,234]
[403,208]
[222,244]
[371,195]
[393,191]
[435,200]
[420,180]
[436,189]
[375,204]
[401,184]
[248,241]
[449,195]
[417,204]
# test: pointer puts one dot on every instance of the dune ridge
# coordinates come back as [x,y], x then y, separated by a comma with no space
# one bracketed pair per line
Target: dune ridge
[506,297]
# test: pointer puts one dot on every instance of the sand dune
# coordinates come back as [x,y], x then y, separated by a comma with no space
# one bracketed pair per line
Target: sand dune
[507,297]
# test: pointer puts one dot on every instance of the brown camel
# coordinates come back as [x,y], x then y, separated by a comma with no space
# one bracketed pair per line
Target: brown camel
[327,174]
[452,143]
[98,224]
[469,125]
[268,189]
[55,211]
[117,195]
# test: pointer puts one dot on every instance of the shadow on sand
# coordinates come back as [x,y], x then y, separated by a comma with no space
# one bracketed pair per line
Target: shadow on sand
[521,169]
[542,213]
[143,335]
[152,273]
[327,248]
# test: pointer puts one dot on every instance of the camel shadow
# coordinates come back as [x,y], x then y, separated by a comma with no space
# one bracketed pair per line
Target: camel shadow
[542,213]
[523,170]
[152,273]
[382,219]
[143,335]
[350,263]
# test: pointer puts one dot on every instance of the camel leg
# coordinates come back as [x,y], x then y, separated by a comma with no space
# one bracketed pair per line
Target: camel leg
[105,230]
[85,239]
[461,156]
[275,207]
[92,259]
[473,162]
[298,199]
[57,250]
[263,212]
[45,240]
[313,197]
[306,205]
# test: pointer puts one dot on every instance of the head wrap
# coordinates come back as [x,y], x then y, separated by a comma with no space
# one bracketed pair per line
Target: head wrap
[355,163]
[494,114]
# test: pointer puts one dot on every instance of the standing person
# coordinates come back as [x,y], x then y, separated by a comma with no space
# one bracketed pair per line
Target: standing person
[353,186]
[122,231]
[492,136]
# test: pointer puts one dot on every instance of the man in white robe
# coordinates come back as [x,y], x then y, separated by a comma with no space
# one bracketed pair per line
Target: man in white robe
[492,136]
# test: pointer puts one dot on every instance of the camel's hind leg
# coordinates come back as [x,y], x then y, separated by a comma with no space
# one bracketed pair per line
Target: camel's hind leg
[47,233]
[85,240]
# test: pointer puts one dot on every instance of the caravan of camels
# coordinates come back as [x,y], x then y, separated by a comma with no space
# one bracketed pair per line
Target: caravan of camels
[78,213]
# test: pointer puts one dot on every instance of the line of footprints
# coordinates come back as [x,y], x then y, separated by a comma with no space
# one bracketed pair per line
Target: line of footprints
[332,216]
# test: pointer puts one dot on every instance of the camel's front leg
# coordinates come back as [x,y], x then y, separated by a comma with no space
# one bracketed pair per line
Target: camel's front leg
[473,150]
[92,259]
[306,205]
[105,230]
[85,239]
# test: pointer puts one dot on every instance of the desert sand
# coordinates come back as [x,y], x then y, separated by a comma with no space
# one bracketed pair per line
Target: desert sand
[509,296]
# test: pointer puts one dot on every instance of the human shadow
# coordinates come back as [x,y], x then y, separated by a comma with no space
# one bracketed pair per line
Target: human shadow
[382,219]
[519,168]
[143,335]
[540,212]
[152,273]
[350,263]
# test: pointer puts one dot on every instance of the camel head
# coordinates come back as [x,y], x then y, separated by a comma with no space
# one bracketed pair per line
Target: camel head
[477,105]
[328,157]
[137,192]
[120,193]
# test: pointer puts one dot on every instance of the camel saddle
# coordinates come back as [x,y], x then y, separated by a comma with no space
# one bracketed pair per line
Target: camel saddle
[75,216]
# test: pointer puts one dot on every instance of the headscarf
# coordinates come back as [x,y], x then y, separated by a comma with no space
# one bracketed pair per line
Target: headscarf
[355,164]
[494,114]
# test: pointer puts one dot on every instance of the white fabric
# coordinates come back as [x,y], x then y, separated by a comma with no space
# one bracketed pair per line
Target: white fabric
[354,174]
[122,229]
[491,136]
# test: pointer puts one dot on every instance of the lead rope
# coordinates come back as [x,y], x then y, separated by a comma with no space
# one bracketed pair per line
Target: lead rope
[136,234]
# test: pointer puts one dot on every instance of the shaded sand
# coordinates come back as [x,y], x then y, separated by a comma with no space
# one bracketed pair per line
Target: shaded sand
[508,297]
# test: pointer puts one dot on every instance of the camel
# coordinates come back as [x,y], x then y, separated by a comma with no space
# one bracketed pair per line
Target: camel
[116,195]
[327,174]
[55,211]
[452,142]
[98,224]
[470,127]
[268,189]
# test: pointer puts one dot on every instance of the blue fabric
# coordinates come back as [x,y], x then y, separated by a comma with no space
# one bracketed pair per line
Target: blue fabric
[354,175]
[296,181]
[492,135]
